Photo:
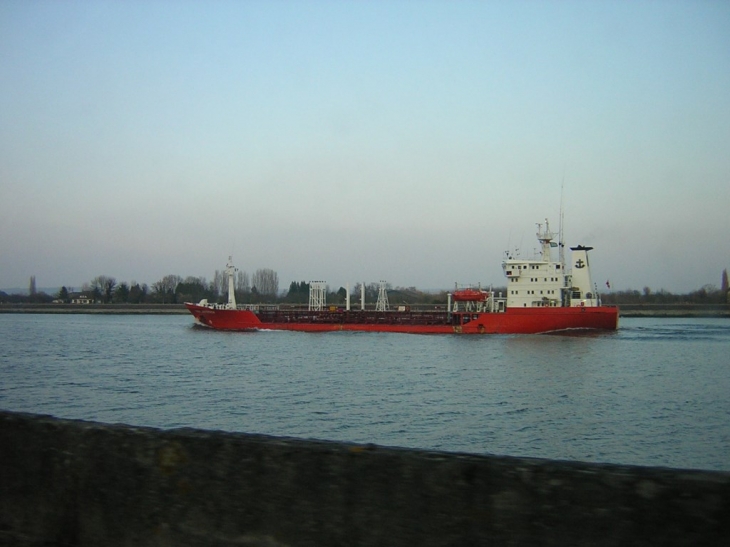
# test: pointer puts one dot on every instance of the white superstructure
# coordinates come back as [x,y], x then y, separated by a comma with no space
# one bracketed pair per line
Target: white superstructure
[543,282]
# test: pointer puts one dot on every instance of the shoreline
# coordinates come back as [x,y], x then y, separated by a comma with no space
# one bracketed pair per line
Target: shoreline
[674,310]
[109,309]
[626,310]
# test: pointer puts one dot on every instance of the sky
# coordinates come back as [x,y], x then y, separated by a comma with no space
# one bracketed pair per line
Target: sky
[412,142]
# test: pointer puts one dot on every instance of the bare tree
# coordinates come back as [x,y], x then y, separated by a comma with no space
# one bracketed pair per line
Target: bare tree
[165,287]
[242,282]
[103,287]
[219,284]
[109,285]
[266,281]
[192,289]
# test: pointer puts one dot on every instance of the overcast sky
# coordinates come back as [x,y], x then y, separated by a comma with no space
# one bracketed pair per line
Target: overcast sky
[413,142]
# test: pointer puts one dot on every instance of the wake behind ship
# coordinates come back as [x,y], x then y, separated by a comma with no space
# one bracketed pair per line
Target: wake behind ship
[542,296]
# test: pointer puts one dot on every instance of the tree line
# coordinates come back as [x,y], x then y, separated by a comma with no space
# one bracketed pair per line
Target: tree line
[708,294]
[170,289]
[263,287]
[260,287]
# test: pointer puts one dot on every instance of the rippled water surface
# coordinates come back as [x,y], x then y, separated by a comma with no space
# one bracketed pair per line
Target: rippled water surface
[657,392]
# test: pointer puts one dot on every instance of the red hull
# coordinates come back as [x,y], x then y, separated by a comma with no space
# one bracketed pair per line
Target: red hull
[513,321]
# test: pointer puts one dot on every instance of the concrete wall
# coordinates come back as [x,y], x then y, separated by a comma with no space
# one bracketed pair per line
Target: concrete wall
[79,483]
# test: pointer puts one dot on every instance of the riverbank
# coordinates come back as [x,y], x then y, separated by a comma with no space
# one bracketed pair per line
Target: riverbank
[121,309]
[674,310]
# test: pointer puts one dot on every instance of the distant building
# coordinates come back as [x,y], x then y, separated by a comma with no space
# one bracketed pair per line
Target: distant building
[80,298]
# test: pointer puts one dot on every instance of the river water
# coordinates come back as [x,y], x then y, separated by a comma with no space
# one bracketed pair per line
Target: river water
[657,392]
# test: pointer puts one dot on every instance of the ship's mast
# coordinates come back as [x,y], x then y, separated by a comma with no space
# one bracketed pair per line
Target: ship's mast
[231,271]
[382,303]
[545,238]
[561,242]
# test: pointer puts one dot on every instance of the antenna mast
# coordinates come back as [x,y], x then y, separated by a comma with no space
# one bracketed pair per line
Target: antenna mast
[561,243]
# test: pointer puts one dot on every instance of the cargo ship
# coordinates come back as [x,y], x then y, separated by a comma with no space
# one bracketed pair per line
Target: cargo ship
[542,296]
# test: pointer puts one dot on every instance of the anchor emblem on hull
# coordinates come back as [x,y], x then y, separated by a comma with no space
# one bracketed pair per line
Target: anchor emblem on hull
[580,264]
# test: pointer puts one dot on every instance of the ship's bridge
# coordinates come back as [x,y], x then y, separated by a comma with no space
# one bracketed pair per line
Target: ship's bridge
[544,282]
[534,283]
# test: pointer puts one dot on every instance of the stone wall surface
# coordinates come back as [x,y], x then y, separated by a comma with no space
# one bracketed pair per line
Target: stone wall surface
[73,483]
